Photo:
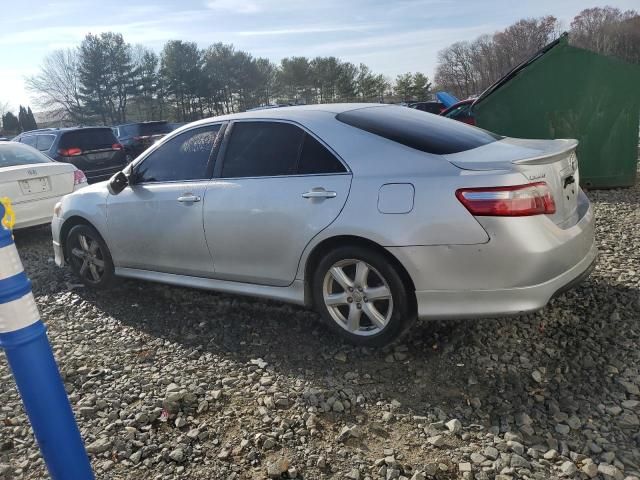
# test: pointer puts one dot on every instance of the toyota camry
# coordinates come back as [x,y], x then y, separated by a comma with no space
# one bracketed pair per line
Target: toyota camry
[375,215]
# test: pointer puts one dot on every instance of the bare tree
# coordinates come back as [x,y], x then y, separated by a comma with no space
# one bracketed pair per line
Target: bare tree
[609,31]
[468,68]
[57,85]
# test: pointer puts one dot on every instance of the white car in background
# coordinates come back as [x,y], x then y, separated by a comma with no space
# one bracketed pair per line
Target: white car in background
[34,183]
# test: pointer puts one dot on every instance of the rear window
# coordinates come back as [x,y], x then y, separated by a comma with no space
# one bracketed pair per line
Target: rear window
[154,128]
[12,154]
[88,139]
[145,129]
[419,130]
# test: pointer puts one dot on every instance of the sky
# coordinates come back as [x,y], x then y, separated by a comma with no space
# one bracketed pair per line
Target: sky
[391,37]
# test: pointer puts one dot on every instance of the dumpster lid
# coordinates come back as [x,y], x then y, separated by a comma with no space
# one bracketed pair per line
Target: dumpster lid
[518,68]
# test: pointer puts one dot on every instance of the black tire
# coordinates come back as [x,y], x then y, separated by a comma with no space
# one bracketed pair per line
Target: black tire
[74,249]
[403,313]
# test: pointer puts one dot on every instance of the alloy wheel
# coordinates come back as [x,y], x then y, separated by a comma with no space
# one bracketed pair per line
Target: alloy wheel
[357,297]
[88,258]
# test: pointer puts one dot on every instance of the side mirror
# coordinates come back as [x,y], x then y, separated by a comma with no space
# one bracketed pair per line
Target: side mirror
[117,183]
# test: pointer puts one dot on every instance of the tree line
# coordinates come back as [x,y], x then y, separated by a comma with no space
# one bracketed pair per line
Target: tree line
[107,80]
[24,122]
[467,68]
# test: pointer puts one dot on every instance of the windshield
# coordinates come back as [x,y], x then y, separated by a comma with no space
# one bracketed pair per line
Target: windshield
[420,130]
[12,154]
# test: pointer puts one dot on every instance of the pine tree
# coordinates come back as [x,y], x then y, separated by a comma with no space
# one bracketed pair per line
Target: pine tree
[32,120]
[10,123]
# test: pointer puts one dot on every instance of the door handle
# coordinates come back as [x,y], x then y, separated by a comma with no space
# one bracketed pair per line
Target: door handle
[320,193]
[188,198]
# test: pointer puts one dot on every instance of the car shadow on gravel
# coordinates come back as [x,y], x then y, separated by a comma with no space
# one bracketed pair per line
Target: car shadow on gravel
[483,371]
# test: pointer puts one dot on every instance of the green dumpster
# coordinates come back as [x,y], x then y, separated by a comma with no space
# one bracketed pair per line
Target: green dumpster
[568,92]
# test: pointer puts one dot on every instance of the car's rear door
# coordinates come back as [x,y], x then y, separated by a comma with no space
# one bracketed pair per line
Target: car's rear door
[276,186]
[156,223]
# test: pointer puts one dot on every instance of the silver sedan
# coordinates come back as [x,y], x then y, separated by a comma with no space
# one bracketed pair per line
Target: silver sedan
[374,215]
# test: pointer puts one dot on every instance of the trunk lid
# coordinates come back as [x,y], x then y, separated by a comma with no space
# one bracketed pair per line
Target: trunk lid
[25,183]
[551,161]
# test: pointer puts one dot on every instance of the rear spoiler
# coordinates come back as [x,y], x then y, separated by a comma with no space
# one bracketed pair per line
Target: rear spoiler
[551,157]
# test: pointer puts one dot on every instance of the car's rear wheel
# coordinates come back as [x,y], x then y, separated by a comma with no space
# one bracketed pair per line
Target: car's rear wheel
[362,296]
[89,256]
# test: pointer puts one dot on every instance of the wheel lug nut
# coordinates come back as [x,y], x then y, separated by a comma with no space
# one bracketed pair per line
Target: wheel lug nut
[365,299]
[349,299]
[358,305]
[351,289]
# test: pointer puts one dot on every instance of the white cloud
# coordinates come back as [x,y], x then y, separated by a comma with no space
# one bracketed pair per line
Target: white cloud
[236,6]
[308,29]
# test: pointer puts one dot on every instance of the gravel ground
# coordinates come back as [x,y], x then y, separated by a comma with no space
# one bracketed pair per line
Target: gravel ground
[171,383]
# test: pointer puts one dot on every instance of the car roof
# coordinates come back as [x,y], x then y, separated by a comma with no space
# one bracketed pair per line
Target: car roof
[62,130]
[297,112]
[148,122]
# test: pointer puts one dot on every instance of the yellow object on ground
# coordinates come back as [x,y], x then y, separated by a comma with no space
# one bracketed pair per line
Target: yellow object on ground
[9,218]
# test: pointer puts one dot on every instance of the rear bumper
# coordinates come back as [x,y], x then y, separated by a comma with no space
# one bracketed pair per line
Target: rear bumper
[101,175]
[445,305]
[526,262]
[37,212]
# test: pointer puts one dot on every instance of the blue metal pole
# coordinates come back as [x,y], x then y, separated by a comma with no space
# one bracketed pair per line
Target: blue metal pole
[23,338]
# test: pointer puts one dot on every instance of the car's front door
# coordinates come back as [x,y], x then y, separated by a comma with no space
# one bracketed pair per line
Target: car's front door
[275,189]
[156,223]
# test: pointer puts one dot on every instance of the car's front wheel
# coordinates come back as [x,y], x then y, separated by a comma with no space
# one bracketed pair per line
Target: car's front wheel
[89,256]
[362,296]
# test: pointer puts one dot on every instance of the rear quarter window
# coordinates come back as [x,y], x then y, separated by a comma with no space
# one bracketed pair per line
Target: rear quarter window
[419,130]
[44,142]
[88,139]
[30,140]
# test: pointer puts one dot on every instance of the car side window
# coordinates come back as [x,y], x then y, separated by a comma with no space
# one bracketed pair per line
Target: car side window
[262,149]
[44,142]
[29,140]
[185,157]
[316,158]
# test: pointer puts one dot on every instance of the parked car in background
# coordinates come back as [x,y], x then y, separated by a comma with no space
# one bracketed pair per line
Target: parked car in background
[431,107]
[34,183]
[137,137]
[176,125]
[4,139]
[461,111]
[373,214]
[94,150]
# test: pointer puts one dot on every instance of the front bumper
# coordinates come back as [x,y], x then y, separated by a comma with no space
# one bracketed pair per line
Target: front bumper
[56,224]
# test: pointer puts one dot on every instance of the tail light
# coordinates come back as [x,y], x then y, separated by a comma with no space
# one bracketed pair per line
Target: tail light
[79,177]
[511,201]
[116,146]
[70,152]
